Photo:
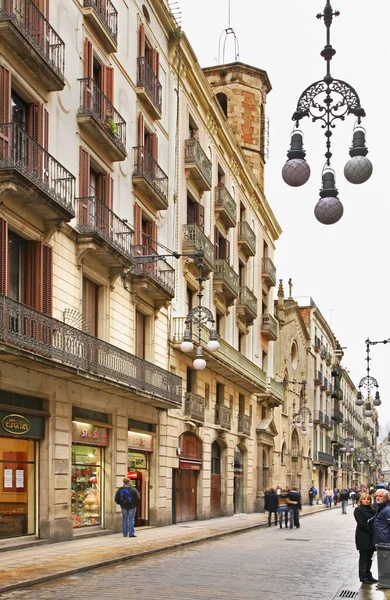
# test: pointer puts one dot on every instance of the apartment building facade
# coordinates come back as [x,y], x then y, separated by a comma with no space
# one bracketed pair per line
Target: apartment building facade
[114,148]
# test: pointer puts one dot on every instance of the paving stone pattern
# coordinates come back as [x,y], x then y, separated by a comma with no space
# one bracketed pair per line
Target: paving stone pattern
[317,561]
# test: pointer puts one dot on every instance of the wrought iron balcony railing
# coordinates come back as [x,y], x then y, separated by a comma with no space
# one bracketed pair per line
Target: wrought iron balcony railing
[269,271]
[225,274]
[247,299]
[244,424]
[198,163]
[147,79]
[19,152]
[31,331]
[323,457]
[146,167]
[95,217]
[225,205]
[246,238]
[269,327]
[107,14]
[194,239]
[223,416]
[30,22]
[94,103]
[318,416]
[161,271]
[194,406]
[318,378]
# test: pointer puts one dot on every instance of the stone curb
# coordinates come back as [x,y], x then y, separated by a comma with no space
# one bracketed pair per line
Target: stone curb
[142,554]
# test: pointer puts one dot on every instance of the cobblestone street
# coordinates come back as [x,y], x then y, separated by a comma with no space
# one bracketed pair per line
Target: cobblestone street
[317,561]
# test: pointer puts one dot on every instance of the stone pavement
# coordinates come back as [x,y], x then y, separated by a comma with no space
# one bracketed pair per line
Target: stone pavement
[23,567]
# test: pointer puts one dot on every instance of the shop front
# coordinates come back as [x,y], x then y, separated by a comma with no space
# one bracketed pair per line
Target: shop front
[140,448]
[87,487]
[19,460]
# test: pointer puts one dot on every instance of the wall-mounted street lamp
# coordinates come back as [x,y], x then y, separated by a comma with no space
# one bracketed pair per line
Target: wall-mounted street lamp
[304,412]
[326,101]
[369,383]
[197,317]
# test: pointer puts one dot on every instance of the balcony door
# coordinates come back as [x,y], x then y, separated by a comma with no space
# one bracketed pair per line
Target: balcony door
[215,491]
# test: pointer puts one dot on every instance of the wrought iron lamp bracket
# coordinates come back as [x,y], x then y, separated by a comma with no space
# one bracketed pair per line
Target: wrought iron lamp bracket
[200,315]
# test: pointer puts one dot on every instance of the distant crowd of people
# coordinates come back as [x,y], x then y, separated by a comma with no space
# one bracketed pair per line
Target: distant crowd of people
[284,505]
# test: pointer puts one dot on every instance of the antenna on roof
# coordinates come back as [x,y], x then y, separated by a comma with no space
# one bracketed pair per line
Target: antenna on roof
[226,32]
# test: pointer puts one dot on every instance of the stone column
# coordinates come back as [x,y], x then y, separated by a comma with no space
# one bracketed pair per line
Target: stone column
[259,503]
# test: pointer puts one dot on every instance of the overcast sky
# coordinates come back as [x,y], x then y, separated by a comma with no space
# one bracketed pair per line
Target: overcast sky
[343,267]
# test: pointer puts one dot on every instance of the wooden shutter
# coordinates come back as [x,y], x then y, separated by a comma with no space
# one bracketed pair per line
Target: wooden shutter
[156,64]
[140,331]
[45,143]
[104,193]
[140,129]
[201,217]
[141,41]
[5,111]
[137,225]
[90,299]
[153,235]
[154,146]
[88,88]
[84,186]
[33,293]
[3,257]
[227,251]
[108,82]
[47,279]
[216,243]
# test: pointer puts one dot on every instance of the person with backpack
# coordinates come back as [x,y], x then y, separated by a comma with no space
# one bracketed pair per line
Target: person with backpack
[128,499]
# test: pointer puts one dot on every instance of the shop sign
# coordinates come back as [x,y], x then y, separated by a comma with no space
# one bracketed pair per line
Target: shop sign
[91,435]
[183,464]
[21,426]
[140,441]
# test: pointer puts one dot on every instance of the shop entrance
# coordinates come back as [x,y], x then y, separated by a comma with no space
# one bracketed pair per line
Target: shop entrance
[17,488]
[215,492]
[185,495]
[138,473]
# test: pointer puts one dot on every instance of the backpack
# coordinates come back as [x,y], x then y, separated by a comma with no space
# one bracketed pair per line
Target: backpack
[126,498]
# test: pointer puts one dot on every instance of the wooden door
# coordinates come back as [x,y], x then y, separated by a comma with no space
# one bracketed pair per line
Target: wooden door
[186,481]
[215,496]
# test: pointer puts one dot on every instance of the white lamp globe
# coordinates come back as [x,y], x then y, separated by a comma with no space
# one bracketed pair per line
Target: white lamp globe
[304,431]
[213,345]
[186,346]
[328,210]
[199,364]
[296,172]
[298,424]
[310,424]
[358,169]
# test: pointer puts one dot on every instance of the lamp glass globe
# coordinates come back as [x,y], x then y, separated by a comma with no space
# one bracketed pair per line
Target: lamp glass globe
[303,431]
[186,346]
[310,424]
[377,402]
[199,364]
[213,345]
[298,424]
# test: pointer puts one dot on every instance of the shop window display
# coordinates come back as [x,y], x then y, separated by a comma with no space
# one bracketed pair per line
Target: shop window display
[86,487]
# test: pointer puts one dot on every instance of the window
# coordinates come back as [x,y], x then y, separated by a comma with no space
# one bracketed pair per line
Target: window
[241,404]
[90,306]
[220,394]
[223,101]
[141,326]
[222,246]
[283,454]
[195,213]
[264,412]
[241,342]
[191,380]
[220,324]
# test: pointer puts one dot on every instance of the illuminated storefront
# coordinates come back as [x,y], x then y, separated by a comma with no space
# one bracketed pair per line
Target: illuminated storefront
[140,447]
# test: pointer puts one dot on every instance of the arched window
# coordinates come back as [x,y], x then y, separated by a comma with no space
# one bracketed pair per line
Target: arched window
[283,454]
[223,101]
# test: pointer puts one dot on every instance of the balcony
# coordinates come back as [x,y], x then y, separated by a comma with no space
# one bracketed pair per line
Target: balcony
[318,378]
[328,423]
[224,206]
[269,328]
[193,240]
[329,389]
[149,88]
[318,416]
[102,17]
[337,415]
[34,42]
[33,177]
[328,359]
[244,424]
[198,164]
[230,363]
[225,281]
[323,352]
[317,343]
[103,233]
[150,179]
[268,272]
[247,304]
[30,337]
[337,439]
[246,239]
[194,407]
[323,458]
[97,117]
[156,279]
[223,416]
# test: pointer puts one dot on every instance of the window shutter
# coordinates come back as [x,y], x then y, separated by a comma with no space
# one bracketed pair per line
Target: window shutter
[156,64]
[140,129]
[153,234]
[216,243]
[5,110]
[3,257]
[88,59]
[141,41]
[154,146]
[84,186]
[35,123]
[227,251]
[201,217]
[90,295]
[108,82]
[34,275]
[137,225]
[47,280]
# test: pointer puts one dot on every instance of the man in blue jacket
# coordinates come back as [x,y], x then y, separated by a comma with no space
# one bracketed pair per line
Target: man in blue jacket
[382,520]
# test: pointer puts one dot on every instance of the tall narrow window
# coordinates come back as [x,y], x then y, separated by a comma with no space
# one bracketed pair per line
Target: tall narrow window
[220,393]
[140,334]
[90,306]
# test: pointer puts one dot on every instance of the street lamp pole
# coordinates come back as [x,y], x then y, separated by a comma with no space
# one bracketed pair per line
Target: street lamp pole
[369,382]
[303,411]
[327,101]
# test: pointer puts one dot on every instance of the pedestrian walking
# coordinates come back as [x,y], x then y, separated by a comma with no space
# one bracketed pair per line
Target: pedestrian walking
[312,495]
[271,505]
[344,495]
[328,497]
[336,496]
[294,505]
[352,495]
[128,499]
[283,507]
[364,514]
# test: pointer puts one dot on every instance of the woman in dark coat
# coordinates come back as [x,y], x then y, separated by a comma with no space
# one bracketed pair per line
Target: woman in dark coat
[364,538]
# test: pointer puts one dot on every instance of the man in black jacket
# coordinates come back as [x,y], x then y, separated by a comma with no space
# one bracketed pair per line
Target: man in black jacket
[271,505]
[344,495]
[294,505]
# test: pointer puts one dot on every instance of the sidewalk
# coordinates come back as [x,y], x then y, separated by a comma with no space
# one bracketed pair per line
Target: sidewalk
[24,567]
